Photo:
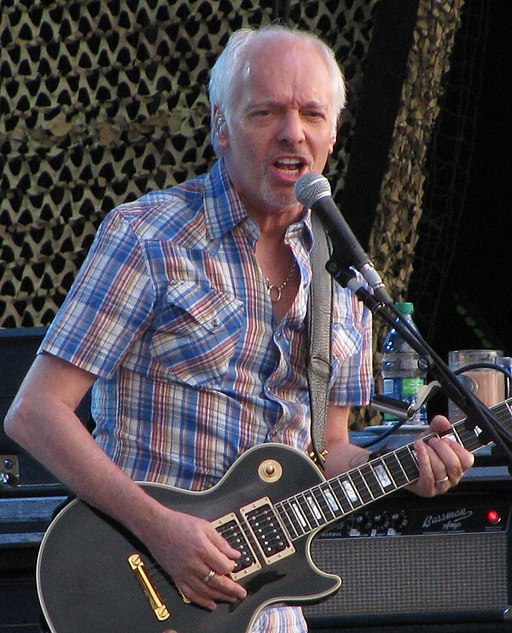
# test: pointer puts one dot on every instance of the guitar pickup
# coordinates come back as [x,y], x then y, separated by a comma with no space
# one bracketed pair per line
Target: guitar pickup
[267,529]
[229,527]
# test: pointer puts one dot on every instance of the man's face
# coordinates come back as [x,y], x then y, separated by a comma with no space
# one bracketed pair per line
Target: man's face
[282,126]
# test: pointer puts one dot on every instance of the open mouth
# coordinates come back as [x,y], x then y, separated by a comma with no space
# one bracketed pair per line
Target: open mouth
[292,166]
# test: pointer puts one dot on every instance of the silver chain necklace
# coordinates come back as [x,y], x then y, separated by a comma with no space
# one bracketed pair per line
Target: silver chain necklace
[276,292]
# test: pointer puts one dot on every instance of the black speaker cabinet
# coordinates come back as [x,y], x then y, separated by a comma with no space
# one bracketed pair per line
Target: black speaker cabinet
[20,474]
[409,559]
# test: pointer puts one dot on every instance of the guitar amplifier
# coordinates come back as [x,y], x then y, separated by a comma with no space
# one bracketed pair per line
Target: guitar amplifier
[20,474]
[408,559]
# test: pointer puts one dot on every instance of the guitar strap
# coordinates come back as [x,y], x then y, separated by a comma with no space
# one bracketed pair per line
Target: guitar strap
[318,364]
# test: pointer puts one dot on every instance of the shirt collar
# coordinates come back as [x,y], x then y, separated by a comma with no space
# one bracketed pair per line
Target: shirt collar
[224,209]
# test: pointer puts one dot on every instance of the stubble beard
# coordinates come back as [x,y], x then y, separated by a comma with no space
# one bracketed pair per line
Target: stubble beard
[276,200]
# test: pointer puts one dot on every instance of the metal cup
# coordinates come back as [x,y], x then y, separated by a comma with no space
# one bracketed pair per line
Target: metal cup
[474,369]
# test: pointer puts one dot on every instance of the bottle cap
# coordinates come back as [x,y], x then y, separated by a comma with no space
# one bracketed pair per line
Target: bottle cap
[405,307]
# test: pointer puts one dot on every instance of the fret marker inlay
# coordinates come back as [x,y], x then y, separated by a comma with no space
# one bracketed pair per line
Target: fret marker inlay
[299,515]
[351,493]
[314,508]
[382,476]
[332,501]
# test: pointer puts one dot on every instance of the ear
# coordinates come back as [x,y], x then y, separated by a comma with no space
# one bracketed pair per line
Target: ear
[221,128]
[332,142]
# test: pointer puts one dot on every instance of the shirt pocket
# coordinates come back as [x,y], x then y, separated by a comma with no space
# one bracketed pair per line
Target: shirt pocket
[197,333]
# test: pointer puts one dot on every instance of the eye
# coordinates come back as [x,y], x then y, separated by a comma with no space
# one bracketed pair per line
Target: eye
[261,111]
[315,114]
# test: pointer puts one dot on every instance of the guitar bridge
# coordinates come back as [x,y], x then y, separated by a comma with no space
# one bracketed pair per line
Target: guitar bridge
[268,531]
[229,527]
[159,608]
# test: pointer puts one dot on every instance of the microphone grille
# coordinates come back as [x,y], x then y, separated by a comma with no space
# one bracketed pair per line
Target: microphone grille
[311,187]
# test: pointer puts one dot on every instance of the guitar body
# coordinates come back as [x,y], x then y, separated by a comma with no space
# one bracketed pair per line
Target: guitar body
[86,584]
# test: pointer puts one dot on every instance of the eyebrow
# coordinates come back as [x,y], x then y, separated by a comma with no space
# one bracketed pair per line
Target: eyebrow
[317,105]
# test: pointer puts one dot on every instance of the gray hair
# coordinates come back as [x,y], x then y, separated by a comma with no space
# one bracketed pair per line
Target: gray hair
[228,68]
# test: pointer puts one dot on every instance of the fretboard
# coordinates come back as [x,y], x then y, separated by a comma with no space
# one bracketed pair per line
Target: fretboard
[333,499]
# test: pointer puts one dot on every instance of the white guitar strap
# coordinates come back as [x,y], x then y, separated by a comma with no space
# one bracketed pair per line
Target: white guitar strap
[319,314]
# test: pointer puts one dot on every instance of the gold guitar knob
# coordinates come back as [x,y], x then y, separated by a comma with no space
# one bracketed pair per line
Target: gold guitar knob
[270,470]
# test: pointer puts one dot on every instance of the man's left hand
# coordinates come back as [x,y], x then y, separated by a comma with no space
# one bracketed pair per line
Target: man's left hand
[442,461]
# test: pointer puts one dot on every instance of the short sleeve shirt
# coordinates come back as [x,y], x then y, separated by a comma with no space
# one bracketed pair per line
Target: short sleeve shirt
[170,312]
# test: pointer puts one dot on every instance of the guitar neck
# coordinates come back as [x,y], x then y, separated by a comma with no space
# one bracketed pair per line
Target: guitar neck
[335,498]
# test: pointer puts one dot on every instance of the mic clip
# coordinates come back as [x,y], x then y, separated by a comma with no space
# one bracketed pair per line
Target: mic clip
[402,409]
[423,396]
[344,273]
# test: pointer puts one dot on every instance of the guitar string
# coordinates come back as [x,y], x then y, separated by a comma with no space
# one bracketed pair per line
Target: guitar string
[234,531]
[353,505]
[269,519]
[247,535]
[392,465]
[233,540]
[400,472]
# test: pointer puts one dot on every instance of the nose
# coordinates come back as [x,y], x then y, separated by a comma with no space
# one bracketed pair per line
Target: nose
[291,129]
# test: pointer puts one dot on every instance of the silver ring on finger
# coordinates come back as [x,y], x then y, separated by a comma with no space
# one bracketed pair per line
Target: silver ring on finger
[208,576]
[440,482]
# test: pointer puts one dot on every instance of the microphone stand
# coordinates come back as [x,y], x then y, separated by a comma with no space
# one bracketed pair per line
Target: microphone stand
[479,417]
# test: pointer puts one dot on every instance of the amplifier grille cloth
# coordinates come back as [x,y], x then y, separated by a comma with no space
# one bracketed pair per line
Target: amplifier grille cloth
[414,574]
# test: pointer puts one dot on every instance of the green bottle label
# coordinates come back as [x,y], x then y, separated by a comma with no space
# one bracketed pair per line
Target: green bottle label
[410,386]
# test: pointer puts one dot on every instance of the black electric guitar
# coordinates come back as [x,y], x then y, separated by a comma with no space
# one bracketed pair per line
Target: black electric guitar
[94,576]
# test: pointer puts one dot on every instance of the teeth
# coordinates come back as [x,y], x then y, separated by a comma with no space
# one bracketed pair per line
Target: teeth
[289,164]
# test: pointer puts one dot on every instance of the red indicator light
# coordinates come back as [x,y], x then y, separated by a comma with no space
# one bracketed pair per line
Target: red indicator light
[493,517]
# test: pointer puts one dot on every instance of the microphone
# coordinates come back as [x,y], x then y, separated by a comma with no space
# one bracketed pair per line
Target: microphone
[314,192]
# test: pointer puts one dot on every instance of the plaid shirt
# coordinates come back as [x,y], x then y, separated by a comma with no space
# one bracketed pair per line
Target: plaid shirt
[170,311]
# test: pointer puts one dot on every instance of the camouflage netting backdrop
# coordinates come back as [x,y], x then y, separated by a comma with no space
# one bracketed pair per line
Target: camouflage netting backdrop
[101,101]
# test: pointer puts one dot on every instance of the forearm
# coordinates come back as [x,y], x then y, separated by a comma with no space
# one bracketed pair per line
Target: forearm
[441,461]
[344,456]
[47,427]
[341,454]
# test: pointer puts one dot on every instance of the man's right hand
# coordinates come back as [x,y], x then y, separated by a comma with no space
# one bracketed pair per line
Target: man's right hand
[190,549]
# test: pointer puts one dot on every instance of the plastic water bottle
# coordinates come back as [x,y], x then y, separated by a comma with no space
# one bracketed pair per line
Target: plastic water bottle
[401,376]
